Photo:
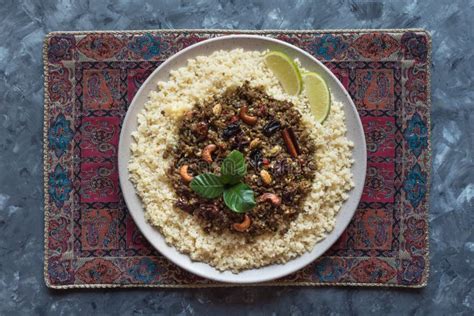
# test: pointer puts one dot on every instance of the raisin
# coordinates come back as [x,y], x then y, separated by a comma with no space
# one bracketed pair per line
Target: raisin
[239,143]
[200,130]
[271,127]
[231,130]
[256,159]
[280,168]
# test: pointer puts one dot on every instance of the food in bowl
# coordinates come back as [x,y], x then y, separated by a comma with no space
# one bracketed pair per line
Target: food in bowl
[248,121]
[234,170]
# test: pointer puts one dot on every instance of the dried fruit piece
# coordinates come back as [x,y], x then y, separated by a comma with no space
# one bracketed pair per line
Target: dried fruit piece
[233,119]
[255,158]
[200,130]
[231,130]
[271,127]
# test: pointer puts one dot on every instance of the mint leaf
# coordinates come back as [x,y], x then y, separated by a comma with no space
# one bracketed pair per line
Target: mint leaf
[207,185]
[233,168]
[239,198]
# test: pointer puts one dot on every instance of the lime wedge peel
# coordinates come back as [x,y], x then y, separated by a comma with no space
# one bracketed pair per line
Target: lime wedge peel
[286,71]
[293,80]
[318,94]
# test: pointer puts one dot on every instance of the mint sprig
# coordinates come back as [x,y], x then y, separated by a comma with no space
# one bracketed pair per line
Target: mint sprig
[238,196]
[207,185]
[233,168]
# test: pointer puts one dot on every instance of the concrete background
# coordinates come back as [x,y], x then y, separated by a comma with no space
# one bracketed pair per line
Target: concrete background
[23,25]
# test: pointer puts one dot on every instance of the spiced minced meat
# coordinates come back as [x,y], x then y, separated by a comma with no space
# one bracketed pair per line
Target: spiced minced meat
[272,138]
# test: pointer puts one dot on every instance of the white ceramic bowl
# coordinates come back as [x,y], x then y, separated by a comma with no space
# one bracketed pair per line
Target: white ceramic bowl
[354,133]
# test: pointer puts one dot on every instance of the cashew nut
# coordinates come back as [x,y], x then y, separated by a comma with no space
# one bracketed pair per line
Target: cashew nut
[250,120]
[183,171]
[273,198]
[207,151]
[266,177]
[241,227]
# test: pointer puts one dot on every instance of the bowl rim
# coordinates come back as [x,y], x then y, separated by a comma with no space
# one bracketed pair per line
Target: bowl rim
[194,266]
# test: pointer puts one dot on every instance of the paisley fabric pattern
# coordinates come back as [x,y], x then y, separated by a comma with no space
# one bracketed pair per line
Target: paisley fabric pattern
[376,45]
[60,135]
[415,185]
[146,47]
[415,46]
[58,235]
[98,271]
[144,270]
[328,46]
[373,270]
[100,47]
[60,48]
[416,134]
[59,84]
[59,186]
[91,79]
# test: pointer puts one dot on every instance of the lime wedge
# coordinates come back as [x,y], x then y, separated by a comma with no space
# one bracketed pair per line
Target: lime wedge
[285,70]
[318,95]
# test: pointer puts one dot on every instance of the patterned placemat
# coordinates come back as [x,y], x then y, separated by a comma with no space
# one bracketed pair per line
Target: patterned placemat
[91,78]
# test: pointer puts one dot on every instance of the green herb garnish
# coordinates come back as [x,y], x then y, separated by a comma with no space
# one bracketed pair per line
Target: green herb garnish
[233,168]
[207,185]
[238,196]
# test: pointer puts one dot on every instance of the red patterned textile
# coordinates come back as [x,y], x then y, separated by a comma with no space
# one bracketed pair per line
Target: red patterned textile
[90,80]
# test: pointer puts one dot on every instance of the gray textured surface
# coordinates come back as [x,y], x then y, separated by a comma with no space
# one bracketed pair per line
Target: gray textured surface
[22,28]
